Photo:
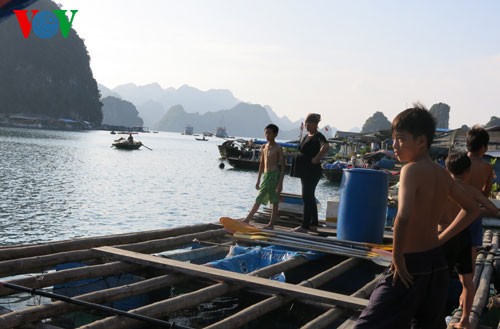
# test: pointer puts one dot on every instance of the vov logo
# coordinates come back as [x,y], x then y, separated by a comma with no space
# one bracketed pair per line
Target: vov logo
[45,24]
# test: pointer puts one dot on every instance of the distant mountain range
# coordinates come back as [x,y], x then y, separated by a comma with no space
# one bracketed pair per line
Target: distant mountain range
[172,109]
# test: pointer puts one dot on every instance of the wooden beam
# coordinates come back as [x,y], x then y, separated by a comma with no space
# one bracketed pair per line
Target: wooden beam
[45,262]
[73,274]
[20,318]
[242,279]
[22,251]
[326,319]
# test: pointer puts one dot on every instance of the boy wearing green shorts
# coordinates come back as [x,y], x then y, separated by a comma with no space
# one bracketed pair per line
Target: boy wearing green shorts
[271,170]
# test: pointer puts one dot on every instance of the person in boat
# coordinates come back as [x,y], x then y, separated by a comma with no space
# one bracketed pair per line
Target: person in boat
[481,177]
[130,139]
[458,250]
[412,292]
[272,168]
[313,147]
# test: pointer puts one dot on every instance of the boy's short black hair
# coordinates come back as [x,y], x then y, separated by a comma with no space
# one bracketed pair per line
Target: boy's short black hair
[458,163]
[417,121]
[274,128]
[477,137]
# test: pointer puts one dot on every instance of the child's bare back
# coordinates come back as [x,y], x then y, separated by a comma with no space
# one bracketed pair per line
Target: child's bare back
[422,196]
[452,209]
[481,175]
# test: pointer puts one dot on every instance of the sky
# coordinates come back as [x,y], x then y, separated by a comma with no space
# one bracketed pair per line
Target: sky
[342,59]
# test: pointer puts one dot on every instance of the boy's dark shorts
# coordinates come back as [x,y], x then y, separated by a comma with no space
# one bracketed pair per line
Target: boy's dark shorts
[419,306]
[476,232]
[458,251]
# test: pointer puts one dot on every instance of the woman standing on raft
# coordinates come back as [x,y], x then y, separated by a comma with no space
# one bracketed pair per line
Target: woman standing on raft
[312,148]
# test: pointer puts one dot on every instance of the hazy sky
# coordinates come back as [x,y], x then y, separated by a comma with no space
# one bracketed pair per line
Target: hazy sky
[343,59]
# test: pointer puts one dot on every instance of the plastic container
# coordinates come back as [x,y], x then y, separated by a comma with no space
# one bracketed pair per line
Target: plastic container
[332,210]
[363,205]
[391,215]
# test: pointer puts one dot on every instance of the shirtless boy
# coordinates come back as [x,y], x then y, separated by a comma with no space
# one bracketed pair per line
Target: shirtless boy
[412,292]
[458,248]
[481,177]
[272,164]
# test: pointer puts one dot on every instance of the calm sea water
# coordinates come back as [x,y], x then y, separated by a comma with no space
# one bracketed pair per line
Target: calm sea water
[57,185]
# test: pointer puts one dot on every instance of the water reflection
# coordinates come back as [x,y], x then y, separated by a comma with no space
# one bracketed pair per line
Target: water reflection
[57,185]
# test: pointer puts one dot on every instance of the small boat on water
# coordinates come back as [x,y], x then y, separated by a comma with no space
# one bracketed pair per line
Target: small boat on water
[127,143]
[333,171]
[251,164]
[188,130]
[221,132]
[203,139]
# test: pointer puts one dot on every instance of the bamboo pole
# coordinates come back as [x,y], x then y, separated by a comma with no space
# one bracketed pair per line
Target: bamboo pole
[482,292]
[102,270]
[332,315]
[164,308]
[349,323]
[199,253]
[481,262]
[480,259]
[37,313]
[44,311]
[23,251]
[255,311]
[73,274]
[45,262]
[107,309]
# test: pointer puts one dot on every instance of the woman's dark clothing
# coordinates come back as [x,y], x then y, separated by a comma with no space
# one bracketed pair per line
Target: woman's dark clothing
[310,174]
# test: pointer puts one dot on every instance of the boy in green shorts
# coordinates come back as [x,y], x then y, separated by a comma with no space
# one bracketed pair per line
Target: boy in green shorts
[272,165]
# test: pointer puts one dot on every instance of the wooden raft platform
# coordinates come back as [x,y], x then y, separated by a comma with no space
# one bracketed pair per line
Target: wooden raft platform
[325,293]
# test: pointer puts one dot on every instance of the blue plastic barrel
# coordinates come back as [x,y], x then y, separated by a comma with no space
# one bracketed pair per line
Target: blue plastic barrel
[362,205]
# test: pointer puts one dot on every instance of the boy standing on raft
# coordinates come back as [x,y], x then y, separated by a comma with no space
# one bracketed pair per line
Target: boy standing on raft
[458,248]
[412,292]
[272,164]
[481,177]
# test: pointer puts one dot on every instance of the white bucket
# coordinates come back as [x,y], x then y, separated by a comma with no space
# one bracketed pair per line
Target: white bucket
[332,210]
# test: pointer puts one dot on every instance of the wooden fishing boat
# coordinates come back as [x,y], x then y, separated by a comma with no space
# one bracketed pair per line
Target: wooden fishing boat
[250,164]
[333,175]
[328,292]
[126,145]
[238,148]
[243,163]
